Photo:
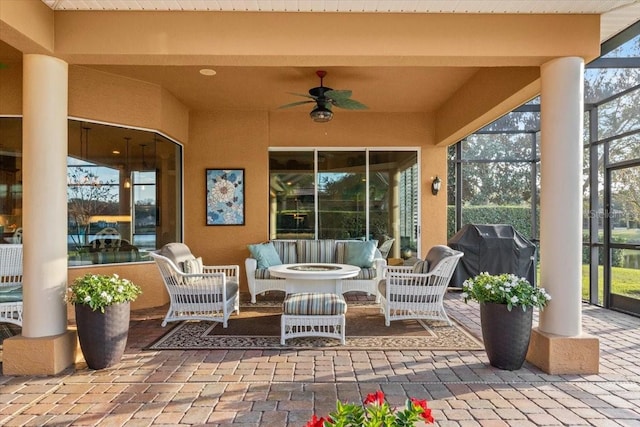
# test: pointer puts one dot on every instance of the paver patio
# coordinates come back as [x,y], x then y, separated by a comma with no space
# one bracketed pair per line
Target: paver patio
[284,388]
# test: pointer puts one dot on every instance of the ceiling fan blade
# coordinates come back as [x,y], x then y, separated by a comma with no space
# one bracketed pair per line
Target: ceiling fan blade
[304,95]
[294,104]
[348,104]
[338,94]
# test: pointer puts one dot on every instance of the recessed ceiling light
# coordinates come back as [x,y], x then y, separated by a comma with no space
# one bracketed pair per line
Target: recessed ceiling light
[208,72]
[115,152]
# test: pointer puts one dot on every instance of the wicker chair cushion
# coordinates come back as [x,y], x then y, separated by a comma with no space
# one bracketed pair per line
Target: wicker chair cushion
[232,288]
[326,304]
[176,252]
[421,267]
[192,266]
[10,293]
[437,254]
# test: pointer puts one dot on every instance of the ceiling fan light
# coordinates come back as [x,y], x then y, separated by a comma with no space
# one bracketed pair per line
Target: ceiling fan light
[321,114]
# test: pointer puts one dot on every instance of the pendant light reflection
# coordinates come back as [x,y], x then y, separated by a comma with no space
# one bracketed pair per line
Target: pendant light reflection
[127,179]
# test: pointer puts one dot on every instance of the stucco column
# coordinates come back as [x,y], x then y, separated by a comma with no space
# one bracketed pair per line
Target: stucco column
[562,105]
[45,346]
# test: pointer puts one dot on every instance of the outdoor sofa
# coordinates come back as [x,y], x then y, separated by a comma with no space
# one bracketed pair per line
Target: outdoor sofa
[363,254]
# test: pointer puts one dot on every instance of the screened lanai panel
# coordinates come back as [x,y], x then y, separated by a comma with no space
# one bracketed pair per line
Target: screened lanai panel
[525,121]
[603,83]
[497,193]
[620,115]
[624,149]
[498,146]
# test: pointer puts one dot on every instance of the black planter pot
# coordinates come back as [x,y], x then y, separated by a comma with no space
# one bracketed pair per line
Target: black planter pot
[506,334]
[103,336]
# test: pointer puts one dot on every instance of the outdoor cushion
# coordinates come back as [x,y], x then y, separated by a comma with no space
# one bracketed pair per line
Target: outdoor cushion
[364,274]
[265,274]
[327,304]
[360,254]
[421,267]
[437,254]
[176,252]
[316,251]
[286,250]
[232,288]
[10,293]
[265,254]
[192,266]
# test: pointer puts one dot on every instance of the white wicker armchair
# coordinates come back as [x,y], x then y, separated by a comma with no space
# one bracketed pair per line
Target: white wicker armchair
[11,284]
[211,294]
[410,294]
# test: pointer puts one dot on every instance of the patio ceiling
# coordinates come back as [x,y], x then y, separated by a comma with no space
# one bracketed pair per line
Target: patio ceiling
[616,14]
[396,89]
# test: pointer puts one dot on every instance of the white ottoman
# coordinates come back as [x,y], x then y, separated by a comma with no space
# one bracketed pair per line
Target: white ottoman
[313,315]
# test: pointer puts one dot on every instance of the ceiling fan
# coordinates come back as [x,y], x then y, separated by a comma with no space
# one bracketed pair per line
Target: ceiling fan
[325,98]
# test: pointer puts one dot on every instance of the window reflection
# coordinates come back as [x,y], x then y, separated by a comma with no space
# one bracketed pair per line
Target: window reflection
[354,194]
[121,183]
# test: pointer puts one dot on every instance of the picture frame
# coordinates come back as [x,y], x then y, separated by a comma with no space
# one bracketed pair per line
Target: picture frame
[225,196]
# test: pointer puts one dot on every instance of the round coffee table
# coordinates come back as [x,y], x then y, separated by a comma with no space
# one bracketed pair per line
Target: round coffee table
[314,277]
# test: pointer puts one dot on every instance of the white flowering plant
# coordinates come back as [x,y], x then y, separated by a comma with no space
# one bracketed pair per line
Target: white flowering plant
[506,289]
[99,291]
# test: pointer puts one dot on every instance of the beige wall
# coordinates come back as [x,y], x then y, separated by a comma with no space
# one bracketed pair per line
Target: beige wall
[242,139]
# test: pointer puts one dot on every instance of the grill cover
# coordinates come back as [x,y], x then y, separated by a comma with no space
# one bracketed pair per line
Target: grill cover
[494,248]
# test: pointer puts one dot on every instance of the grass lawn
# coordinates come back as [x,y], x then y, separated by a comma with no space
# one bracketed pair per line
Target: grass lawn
[624,281]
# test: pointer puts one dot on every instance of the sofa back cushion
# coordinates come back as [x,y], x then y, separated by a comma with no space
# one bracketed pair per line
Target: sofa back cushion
[286,249]
[313,251]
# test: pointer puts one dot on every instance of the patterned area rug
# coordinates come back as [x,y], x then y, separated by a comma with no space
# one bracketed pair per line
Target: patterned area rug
[258,327]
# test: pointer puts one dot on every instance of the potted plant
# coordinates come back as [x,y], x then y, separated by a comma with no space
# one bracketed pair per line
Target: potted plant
[506,314]
[102,307]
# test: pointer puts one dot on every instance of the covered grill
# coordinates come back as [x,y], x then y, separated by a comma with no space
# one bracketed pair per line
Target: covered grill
[494,248]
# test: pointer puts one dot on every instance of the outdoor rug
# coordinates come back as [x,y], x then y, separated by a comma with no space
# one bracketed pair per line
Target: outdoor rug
[258,327]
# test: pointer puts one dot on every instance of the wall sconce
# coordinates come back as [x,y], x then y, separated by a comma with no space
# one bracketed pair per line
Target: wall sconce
[435,185]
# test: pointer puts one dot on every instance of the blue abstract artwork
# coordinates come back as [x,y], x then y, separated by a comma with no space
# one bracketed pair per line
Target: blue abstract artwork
[225,196]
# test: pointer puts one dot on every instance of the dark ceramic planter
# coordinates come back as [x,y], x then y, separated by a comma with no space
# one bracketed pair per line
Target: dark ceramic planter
[506,334]
[103,336]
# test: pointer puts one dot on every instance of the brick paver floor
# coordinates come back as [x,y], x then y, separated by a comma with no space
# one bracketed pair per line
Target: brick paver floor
[284,388]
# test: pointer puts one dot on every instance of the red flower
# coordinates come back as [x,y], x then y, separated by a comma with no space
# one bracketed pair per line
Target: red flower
[315,422]
[426,412]
[377,397]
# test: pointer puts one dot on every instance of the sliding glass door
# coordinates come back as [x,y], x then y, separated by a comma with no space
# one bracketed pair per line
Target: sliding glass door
[346,194]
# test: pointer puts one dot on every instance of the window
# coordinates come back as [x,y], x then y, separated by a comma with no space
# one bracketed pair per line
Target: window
[346,194]
[123,193]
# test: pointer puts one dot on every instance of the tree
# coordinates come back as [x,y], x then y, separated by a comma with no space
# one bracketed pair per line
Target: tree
[87,196]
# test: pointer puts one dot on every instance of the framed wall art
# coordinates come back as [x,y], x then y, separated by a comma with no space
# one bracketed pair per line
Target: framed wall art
[225,196]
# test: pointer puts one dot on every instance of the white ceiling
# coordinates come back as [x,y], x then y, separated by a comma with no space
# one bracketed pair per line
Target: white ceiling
[616,14]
